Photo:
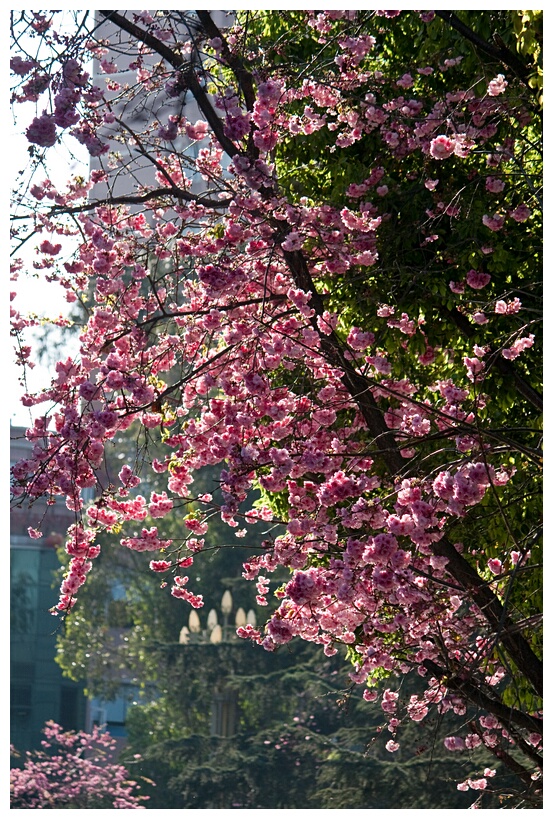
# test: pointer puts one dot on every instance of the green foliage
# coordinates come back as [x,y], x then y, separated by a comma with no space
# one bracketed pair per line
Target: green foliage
[125,609]
[301,723]
[528,28]
[290,727]
[412,272]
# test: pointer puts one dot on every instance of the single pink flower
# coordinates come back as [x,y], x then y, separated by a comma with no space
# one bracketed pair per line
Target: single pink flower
[442,147]
[477,280]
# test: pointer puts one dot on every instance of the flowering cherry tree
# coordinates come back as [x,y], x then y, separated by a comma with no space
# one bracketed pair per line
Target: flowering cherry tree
[74,770]
[326,283]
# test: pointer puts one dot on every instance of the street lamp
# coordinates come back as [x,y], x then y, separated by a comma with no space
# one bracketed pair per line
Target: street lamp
[215,632]
[224,714]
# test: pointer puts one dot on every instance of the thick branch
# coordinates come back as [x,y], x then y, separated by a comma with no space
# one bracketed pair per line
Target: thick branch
[504,713]
[243,76]
[505,629]
[459,568]
[357,385]
[499,52]
[136,199]
[241,73]
[511,763]
[188,71]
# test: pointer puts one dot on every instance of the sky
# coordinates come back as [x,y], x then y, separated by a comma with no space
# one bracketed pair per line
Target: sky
[34,294]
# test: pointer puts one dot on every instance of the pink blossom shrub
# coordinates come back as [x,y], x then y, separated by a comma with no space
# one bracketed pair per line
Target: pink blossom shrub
[74,770]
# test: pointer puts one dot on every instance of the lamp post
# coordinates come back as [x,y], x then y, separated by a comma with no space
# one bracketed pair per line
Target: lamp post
[224,714]
[214,632]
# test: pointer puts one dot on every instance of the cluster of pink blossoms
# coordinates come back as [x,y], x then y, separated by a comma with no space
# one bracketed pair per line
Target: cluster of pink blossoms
[73,770]
[249,364]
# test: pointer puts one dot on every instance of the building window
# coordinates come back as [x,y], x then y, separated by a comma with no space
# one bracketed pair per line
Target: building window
[69,707]
[20,701]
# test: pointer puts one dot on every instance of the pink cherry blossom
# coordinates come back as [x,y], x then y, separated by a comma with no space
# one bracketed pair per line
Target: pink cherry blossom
[48,247]
[477,279]
[494,222]
[518,347]
[497,85]
[42,131]
[454,743]
[442,147]
[242,320]
[521,213]
[494,184]
[495,566]
[20,66]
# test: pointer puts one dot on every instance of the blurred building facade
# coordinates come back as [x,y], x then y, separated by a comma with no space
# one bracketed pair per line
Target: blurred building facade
[39,692]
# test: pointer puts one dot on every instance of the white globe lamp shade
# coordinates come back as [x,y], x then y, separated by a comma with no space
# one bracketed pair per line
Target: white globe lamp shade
[226,602]
[216,635]
[211,620]
[194,622]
